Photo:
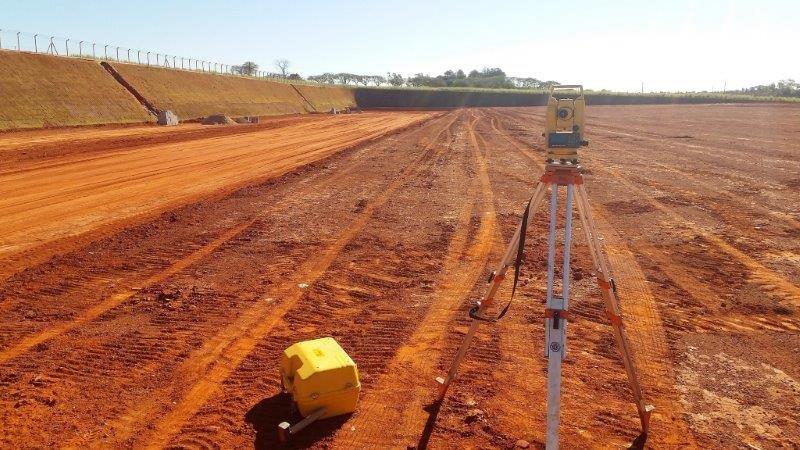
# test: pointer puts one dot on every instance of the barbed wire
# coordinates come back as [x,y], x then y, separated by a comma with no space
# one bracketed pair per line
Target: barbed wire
[22,41]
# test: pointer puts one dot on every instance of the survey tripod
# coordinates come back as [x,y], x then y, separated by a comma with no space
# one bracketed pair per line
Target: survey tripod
[562,171]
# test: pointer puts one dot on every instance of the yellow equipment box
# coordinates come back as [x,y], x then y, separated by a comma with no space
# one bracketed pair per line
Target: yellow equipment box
[319,374]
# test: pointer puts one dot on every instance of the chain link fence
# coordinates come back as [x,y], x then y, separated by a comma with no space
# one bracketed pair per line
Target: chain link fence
[21,41]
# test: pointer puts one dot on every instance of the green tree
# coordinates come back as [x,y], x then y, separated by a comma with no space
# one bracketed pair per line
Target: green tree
[247,68]
[395,79]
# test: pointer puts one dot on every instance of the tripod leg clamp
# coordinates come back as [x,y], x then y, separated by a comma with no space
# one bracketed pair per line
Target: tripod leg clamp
[556,315]
[607,284]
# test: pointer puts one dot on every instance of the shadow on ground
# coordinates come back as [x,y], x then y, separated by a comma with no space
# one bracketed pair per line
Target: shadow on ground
[269,412]
[433,413]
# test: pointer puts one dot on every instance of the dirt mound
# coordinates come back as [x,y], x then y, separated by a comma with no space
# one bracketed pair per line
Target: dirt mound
[217,119]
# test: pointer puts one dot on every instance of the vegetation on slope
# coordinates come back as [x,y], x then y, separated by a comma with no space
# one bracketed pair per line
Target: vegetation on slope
[44,91]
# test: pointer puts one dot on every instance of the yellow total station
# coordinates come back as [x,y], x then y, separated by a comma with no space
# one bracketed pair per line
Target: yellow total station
[564,125]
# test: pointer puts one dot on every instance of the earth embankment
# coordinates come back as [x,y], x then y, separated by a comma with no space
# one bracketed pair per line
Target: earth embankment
[40,91]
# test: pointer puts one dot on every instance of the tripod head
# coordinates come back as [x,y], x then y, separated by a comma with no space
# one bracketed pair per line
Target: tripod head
[564,125]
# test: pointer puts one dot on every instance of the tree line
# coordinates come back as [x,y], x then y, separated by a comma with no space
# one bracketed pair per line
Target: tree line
[489,78]
[783,88]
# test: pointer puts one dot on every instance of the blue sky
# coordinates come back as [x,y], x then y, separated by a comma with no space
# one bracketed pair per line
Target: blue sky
[670,45]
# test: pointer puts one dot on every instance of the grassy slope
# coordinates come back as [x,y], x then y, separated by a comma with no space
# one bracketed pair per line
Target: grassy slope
[41,90]
[193,95]
[324,98]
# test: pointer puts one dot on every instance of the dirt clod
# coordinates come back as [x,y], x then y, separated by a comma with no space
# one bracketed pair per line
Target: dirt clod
[473,415]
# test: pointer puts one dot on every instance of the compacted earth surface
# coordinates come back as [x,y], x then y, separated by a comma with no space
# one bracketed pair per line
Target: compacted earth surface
[151,277]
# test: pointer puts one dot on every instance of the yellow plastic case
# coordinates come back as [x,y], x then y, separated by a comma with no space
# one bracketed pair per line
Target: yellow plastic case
[318,373]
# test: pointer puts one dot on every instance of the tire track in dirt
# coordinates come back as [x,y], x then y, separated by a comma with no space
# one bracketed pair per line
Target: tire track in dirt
[516,373]
[708,298]
[234,343]
[742,201]
[111,302]
[369,299]
[88,196]
[754,272]
[788,219]
[93,355]
[771,283]
[694,178]
[643,322]
[705,151]
[114,300]
[648,337]
[759,274]
[494,401]
[416,361]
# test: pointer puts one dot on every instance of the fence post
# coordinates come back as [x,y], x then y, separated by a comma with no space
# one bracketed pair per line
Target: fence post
[66,44]
[139,56]
[19,47]
[148,58]
[35,44]
[173,62]
[80,49]
[157,58]
[129,55]
[105,51]
[94,54]
[117,54]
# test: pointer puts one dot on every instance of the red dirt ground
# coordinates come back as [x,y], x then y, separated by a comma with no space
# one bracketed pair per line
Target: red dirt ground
[156,317]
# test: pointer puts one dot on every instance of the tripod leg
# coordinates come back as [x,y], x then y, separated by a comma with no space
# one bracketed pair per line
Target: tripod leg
[497,278]
[608,290]
[555,321]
